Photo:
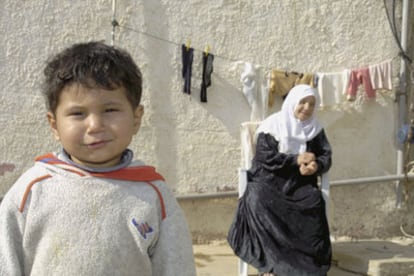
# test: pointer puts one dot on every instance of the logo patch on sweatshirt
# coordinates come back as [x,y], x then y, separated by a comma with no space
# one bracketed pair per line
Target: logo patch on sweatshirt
[143,228]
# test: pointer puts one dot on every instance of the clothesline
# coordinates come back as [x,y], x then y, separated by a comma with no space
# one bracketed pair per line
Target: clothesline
[175,43]
[345,82]
[224,57]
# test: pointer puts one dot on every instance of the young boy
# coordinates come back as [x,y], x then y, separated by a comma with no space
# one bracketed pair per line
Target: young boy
[90,209]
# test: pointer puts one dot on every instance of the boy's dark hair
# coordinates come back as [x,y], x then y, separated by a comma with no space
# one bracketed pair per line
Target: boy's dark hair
[92,64]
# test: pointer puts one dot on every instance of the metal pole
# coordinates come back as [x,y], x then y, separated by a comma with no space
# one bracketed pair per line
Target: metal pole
[355,181]
[114,24]
[402,116]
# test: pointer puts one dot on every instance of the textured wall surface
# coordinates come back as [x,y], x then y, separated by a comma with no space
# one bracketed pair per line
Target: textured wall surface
[195,145]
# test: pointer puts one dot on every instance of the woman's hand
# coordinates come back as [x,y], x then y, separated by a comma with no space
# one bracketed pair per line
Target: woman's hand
[308,169]
[305,158]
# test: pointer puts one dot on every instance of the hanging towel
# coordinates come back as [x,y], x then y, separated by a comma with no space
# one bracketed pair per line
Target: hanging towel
[206,78]
[380,75]
[306,78]
[187,62]
[357,77]
[280,83]
[332,87]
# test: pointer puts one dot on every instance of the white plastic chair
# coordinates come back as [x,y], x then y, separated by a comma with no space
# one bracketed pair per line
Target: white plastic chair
[243,266]
[248,147]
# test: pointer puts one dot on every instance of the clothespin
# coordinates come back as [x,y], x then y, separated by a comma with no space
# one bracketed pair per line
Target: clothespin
[188,44]
[207,50]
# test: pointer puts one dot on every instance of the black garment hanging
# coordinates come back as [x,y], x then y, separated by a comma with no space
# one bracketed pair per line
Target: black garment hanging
[206,79]
[187,55]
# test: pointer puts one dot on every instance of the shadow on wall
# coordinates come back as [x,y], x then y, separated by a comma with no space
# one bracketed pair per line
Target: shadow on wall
[6,167]
[157,72]
[225,102]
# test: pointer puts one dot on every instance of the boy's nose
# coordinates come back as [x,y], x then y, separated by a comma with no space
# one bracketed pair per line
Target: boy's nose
[95,123]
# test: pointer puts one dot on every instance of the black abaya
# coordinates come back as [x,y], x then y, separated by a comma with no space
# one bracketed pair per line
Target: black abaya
[280,224]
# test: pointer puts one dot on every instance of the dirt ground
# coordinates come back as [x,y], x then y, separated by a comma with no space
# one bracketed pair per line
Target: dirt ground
[217,259]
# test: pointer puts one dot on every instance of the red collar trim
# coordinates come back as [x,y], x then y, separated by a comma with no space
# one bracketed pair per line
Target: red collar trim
[137,173]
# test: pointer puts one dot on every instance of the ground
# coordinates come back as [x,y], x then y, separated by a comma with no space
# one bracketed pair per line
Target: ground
[394,257]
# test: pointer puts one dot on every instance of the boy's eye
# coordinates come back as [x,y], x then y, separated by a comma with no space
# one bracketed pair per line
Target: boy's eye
[76,113]
[111,110]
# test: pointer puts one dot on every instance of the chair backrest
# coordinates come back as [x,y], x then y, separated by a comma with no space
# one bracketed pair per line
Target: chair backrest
[248,143]
[248,149]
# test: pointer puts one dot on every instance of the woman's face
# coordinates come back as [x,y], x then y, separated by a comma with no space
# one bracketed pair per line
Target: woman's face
[305,108]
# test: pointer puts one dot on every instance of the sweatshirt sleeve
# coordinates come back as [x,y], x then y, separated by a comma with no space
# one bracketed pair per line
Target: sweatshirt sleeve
[173,252]
[11,229]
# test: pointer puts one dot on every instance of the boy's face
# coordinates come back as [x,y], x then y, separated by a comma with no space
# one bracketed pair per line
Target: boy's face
[95,125]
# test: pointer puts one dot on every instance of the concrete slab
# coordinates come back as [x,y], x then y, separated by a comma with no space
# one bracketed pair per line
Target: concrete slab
[375,257]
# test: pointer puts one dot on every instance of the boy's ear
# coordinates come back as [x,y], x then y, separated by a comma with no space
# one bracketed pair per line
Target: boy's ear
[52,123]
[138,113]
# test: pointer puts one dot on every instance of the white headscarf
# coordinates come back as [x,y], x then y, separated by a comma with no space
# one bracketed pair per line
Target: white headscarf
[291,133]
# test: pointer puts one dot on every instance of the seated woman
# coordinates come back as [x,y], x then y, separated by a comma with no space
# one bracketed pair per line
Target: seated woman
[280,226]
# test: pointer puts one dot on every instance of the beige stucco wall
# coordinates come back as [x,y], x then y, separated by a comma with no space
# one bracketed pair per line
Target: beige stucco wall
[196,146]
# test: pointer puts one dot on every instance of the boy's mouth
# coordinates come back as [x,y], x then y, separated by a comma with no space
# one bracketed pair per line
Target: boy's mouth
[96,144]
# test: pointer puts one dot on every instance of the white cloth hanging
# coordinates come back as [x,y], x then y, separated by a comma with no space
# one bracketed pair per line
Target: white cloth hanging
[255,91]
[381,75]
[332,87]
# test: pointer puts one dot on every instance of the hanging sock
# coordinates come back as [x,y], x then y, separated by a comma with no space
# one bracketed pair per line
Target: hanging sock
[187,55]
[206,78]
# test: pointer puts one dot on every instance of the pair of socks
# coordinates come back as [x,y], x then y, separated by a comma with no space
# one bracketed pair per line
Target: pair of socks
[187,55]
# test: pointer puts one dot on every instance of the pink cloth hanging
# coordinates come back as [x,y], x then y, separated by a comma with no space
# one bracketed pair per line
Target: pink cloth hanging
[357,77]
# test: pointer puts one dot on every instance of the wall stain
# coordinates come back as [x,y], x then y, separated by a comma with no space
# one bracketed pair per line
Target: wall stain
[6,167]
